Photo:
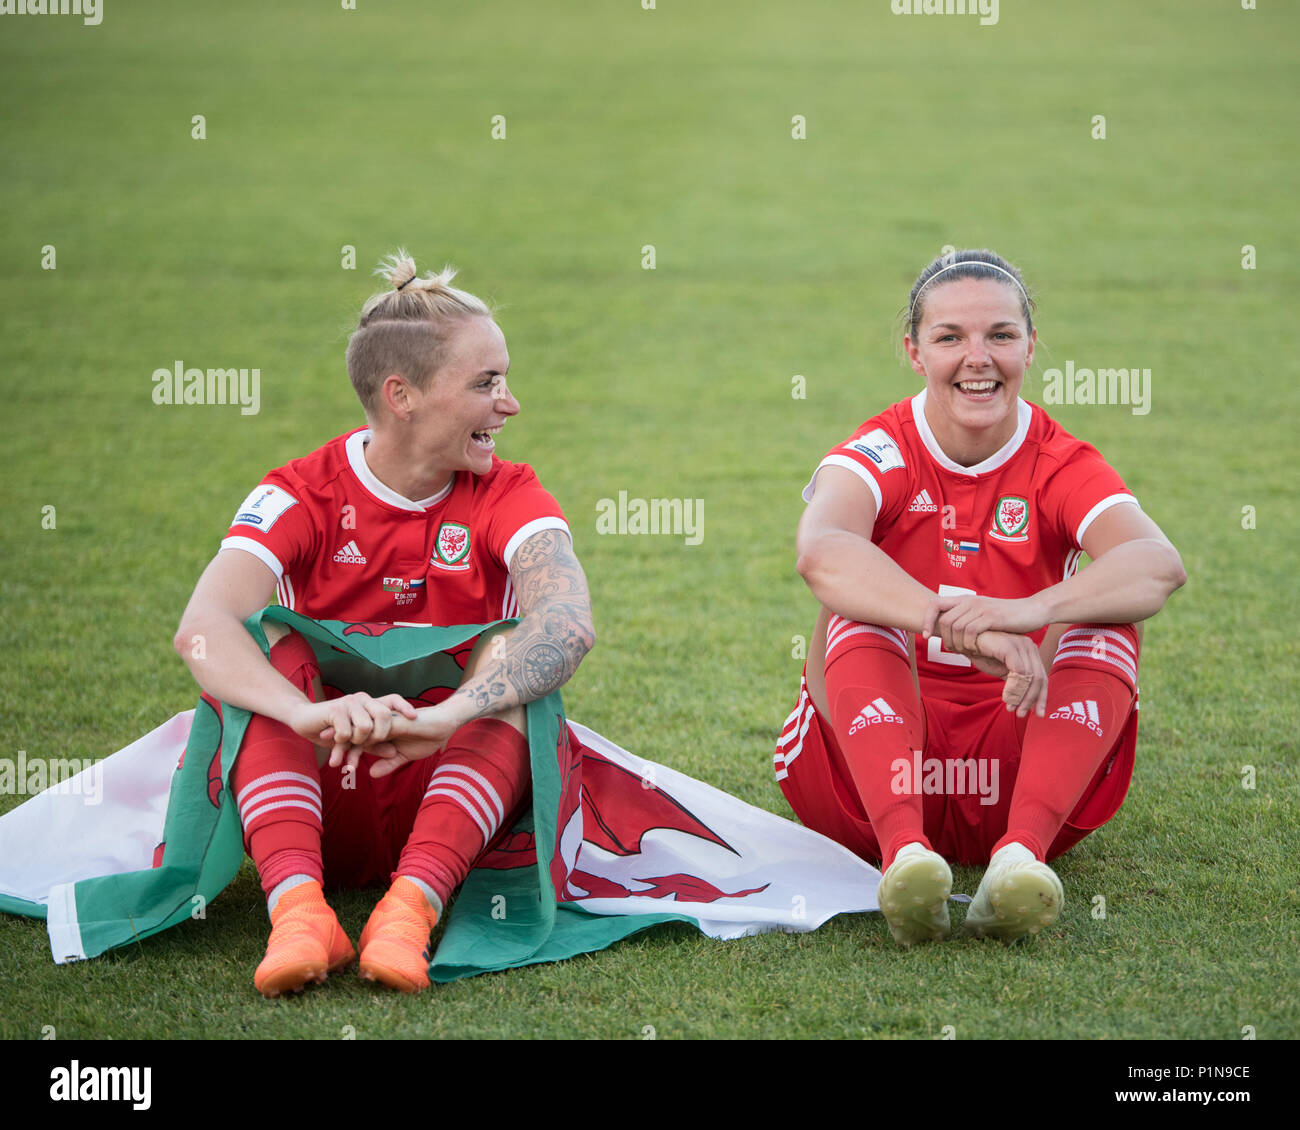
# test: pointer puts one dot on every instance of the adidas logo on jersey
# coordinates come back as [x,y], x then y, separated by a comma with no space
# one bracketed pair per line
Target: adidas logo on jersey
[923,504]
[350,555]
[1085,713]
[874,712]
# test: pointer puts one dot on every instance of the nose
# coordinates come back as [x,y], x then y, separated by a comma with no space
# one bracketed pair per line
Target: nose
[506,404]
[977,356]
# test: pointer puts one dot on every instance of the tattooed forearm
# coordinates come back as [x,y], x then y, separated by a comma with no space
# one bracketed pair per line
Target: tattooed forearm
[543,651]
[544,670]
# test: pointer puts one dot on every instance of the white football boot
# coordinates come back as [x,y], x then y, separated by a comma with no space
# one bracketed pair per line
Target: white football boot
[913,896]
[1018,895]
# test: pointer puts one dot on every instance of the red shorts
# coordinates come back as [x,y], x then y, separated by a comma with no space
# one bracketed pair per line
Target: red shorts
[966,774]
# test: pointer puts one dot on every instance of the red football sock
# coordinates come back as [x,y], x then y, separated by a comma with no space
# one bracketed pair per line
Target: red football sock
[877,718]
[276,783]
[1090,691]
[481,777]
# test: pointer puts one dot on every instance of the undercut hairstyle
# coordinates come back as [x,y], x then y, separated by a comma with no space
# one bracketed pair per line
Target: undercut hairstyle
[965,265]
[407,330]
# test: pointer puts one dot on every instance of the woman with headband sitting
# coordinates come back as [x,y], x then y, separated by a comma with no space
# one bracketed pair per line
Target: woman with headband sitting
[969,696]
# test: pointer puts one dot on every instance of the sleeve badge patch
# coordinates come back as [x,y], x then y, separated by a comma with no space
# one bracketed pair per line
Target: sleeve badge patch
[877,446]
[262,508]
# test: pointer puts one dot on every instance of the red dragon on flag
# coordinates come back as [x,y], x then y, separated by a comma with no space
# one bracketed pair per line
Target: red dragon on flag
[615,807]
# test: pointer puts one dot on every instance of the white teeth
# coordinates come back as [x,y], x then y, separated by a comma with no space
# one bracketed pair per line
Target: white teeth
[977,386]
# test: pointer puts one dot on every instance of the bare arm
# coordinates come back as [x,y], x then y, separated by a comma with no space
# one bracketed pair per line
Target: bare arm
[1134,570]
[228,664]
[846,572]
[221,655]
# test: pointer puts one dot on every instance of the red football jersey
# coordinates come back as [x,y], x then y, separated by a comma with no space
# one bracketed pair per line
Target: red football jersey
[1008,527]
[343,546]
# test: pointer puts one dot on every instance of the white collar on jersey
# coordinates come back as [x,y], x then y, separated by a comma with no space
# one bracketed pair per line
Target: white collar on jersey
[356,446]
[1024,414]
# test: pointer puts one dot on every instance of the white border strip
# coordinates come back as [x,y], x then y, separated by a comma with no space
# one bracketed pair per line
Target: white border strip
[1105,504]
[851,465]
[258,550]
[536,526]
[62,926]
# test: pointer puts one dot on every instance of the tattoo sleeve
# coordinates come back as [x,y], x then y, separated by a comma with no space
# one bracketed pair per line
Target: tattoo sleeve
[544,649]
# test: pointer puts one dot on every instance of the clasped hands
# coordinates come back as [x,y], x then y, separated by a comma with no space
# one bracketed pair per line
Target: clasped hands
[388,729]
[994,635]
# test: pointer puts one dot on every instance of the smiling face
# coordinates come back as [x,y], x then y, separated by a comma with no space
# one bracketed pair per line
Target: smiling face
[454,421]
[973,347]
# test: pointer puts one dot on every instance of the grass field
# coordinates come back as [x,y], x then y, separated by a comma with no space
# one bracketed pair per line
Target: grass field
[775,257]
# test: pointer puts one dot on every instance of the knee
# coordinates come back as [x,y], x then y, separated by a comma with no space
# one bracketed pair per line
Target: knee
[516,717]
[275,631]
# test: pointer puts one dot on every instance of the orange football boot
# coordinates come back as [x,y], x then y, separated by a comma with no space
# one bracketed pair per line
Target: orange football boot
[395,942]
[306,943]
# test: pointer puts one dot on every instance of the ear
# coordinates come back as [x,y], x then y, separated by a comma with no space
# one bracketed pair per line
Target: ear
[1029,353]
[395,395]
[913,355]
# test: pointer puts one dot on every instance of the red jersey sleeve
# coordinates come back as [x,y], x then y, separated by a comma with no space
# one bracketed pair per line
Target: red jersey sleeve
[519,508]
[875,454]
[274,523]
[1082,487]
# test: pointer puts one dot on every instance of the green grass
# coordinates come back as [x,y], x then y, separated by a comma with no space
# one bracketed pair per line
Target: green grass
[775,257]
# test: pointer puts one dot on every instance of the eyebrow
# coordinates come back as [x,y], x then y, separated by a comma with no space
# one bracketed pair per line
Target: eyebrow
[955,326]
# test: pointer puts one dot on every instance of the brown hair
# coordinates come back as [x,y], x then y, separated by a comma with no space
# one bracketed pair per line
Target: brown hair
[966,265]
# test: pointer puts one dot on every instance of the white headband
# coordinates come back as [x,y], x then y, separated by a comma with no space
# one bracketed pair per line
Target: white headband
[963,263]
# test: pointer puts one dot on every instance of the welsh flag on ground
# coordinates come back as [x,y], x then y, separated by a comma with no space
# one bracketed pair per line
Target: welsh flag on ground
[613,844]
